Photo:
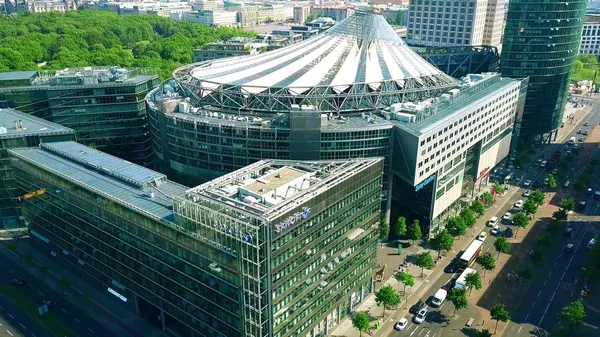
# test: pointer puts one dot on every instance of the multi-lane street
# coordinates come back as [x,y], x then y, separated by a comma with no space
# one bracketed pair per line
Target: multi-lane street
[80,323]
[14,322]
[555,283]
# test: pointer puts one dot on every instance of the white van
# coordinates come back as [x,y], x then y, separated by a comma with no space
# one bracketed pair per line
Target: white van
[572,140]
[439,298]
[493,221]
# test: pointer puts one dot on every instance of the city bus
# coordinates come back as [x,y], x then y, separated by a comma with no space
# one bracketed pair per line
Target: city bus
[468,258]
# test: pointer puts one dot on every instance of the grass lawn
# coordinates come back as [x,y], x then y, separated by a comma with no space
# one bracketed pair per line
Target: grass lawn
[47,320]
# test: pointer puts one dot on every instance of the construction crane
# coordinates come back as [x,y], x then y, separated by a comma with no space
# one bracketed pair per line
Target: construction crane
[32,194]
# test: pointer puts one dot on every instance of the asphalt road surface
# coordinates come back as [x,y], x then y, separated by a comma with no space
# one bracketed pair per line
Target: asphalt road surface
[36,290]
[14,322]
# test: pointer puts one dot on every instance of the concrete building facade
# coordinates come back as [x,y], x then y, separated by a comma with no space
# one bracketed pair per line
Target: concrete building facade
[494,24]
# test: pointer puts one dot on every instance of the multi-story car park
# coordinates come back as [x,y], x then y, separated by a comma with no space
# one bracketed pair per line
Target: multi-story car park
[18,130]
[105,106]
[325,98]
[278,248]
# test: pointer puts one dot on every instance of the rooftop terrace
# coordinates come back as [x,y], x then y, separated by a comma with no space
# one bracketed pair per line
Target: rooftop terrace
[16,124]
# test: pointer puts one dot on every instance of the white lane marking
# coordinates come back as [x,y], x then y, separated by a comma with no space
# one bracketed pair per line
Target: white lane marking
[550,273]
[590,326]
[548,306]
[22,326]
[1,308]
[533,305]
[11,316]
[10,270]
[10,333]
[30,286]
[555,263]
[539,293]
[78,321]
[520,327]
[32,335]
[1,264]
[92,331]
[563,275]
[541,319]
[66,312]
[526,316]
[552,297]
[545,283]
[415,330]
[41,293]
[422,330]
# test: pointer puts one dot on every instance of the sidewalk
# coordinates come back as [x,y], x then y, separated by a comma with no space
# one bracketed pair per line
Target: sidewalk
[345,327]
[119,320]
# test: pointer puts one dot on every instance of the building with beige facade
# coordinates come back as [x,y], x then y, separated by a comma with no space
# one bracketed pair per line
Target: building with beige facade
[494,23]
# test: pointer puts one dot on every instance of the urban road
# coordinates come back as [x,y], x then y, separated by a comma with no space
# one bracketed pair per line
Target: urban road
[555,278]
[15,322]
[557,281]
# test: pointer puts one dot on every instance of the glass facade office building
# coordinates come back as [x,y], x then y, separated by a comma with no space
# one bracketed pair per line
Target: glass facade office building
[19,130]
[277,248]
[105,106]
[541,41]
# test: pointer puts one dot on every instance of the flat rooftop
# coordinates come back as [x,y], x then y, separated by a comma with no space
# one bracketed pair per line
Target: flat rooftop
[153,199]
[30,125]
[17,75]
[299,182]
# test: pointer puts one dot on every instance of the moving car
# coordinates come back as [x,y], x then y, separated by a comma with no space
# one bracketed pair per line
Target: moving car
[527,193]
[589,191]
[569,248]
[439,297]
[482,236]
[507,216]
[421,316]
[527,183]
[581,205]
[568,231]
[543,163]
[416,307]
[495,230]
[493,221]
[401,324]
[508,232]
[18,281]
[586,124]
[519,204]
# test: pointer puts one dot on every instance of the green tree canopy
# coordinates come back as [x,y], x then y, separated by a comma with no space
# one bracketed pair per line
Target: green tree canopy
[414,231]
[384,229]
[487,262]
[552,181]
[386,296]
[499,313]
[520,220]
[456,226]
[477,207]
[530,207]
[458,297]
[567,204]
[560,215]
[502,245]
[473,280]
[499,187]
[537,256]
[442,241]
[424,260]
[361,322]
[537,196]
[483,333]
[573,315]
[404,278]
[401,226]
[468,216]
[488,197]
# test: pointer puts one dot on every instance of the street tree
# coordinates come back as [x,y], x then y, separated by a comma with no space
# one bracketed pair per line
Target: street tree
[537,196]
[499,313]
[473,280]
[560,215]
[386,296]
[520,220]
[567,204]
[443,241]
[573,316]
[488,198]
[553,226]
[483,333]
[458,297]
[424,260]
[499,187]
[537,256]
[384,229]
[477,207]
[530,207]
[502,246]
[404,278]
[487,262]
[401,226]
[551,181]
[468,216]
[361,322]
[414,231]
[526,274]
[456,226]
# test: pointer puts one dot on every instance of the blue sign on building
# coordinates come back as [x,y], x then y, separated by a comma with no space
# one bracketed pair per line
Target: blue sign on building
[293,220]
[425,182]
[245,236]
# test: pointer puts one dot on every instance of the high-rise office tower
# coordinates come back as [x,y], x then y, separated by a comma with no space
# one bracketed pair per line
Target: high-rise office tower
[446,23]
[541,40]
[494,23]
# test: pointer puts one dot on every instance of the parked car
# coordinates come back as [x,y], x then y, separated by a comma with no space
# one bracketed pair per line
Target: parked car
[519,204]
[495,230]
[401,324]
[452,267]
[568,231]
[527,183]
[507,216]
[18,281]
[508,232]
[482,236]
[420,317]
[527,193]
[493,221]
[586,124]
[416,307]
[569,248]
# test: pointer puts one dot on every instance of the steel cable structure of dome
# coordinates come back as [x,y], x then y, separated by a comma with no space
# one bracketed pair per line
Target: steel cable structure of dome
[360,64]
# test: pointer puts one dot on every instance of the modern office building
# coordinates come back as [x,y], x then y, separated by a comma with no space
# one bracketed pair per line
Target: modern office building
[301,14]
[541,41]
[105,106]
[590,37]
[446,23]
[17,130]
[337,13]
[323,99]
[461,61]
[213,18]
[494,23]
[278,248]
